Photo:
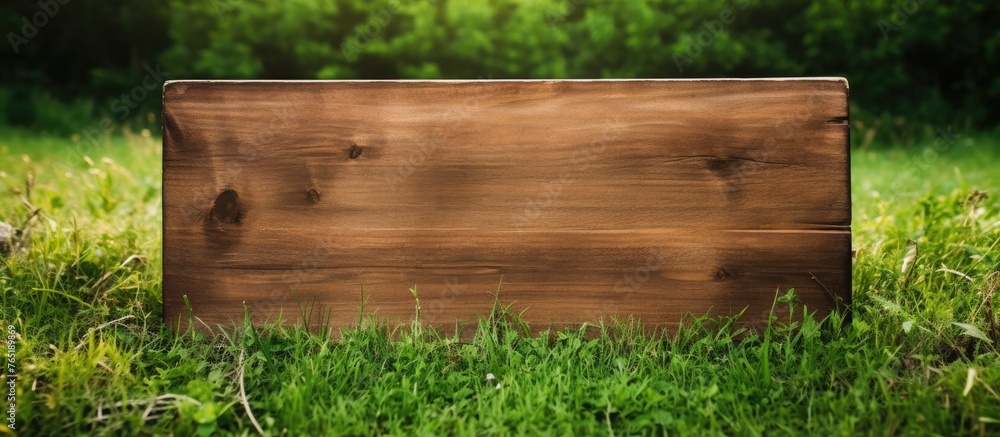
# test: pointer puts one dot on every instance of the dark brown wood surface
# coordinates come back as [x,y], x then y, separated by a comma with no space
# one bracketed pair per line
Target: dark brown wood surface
[591,199]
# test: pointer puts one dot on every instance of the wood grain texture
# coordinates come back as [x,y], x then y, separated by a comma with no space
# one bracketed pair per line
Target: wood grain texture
[645,198]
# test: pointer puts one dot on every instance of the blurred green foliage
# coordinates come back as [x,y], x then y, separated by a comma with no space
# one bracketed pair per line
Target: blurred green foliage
[923,60]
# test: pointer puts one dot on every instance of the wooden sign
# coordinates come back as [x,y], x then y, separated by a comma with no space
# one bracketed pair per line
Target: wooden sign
[589,198]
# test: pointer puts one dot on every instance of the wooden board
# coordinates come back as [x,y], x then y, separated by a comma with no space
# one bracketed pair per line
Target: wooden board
[590,198]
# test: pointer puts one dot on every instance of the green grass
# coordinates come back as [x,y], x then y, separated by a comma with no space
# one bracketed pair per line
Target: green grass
[900,365]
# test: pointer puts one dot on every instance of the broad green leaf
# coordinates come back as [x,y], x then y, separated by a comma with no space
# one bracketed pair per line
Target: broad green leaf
[973,331]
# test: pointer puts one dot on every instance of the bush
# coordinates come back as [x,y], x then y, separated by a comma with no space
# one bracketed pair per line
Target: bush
[927,61]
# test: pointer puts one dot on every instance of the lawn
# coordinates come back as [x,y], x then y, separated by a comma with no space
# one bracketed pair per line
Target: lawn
[917,355]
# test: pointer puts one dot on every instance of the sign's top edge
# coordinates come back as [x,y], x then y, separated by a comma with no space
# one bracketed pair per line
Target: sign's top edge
[762,79]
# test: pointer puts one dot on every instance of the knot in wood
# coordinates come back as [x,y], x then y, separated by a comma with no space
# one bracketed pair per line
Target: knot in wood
[227,208]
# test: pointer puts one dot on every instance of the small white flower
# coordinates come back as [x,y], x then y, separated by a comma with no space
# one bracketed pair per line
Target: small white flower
[490,377]
[498,386]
